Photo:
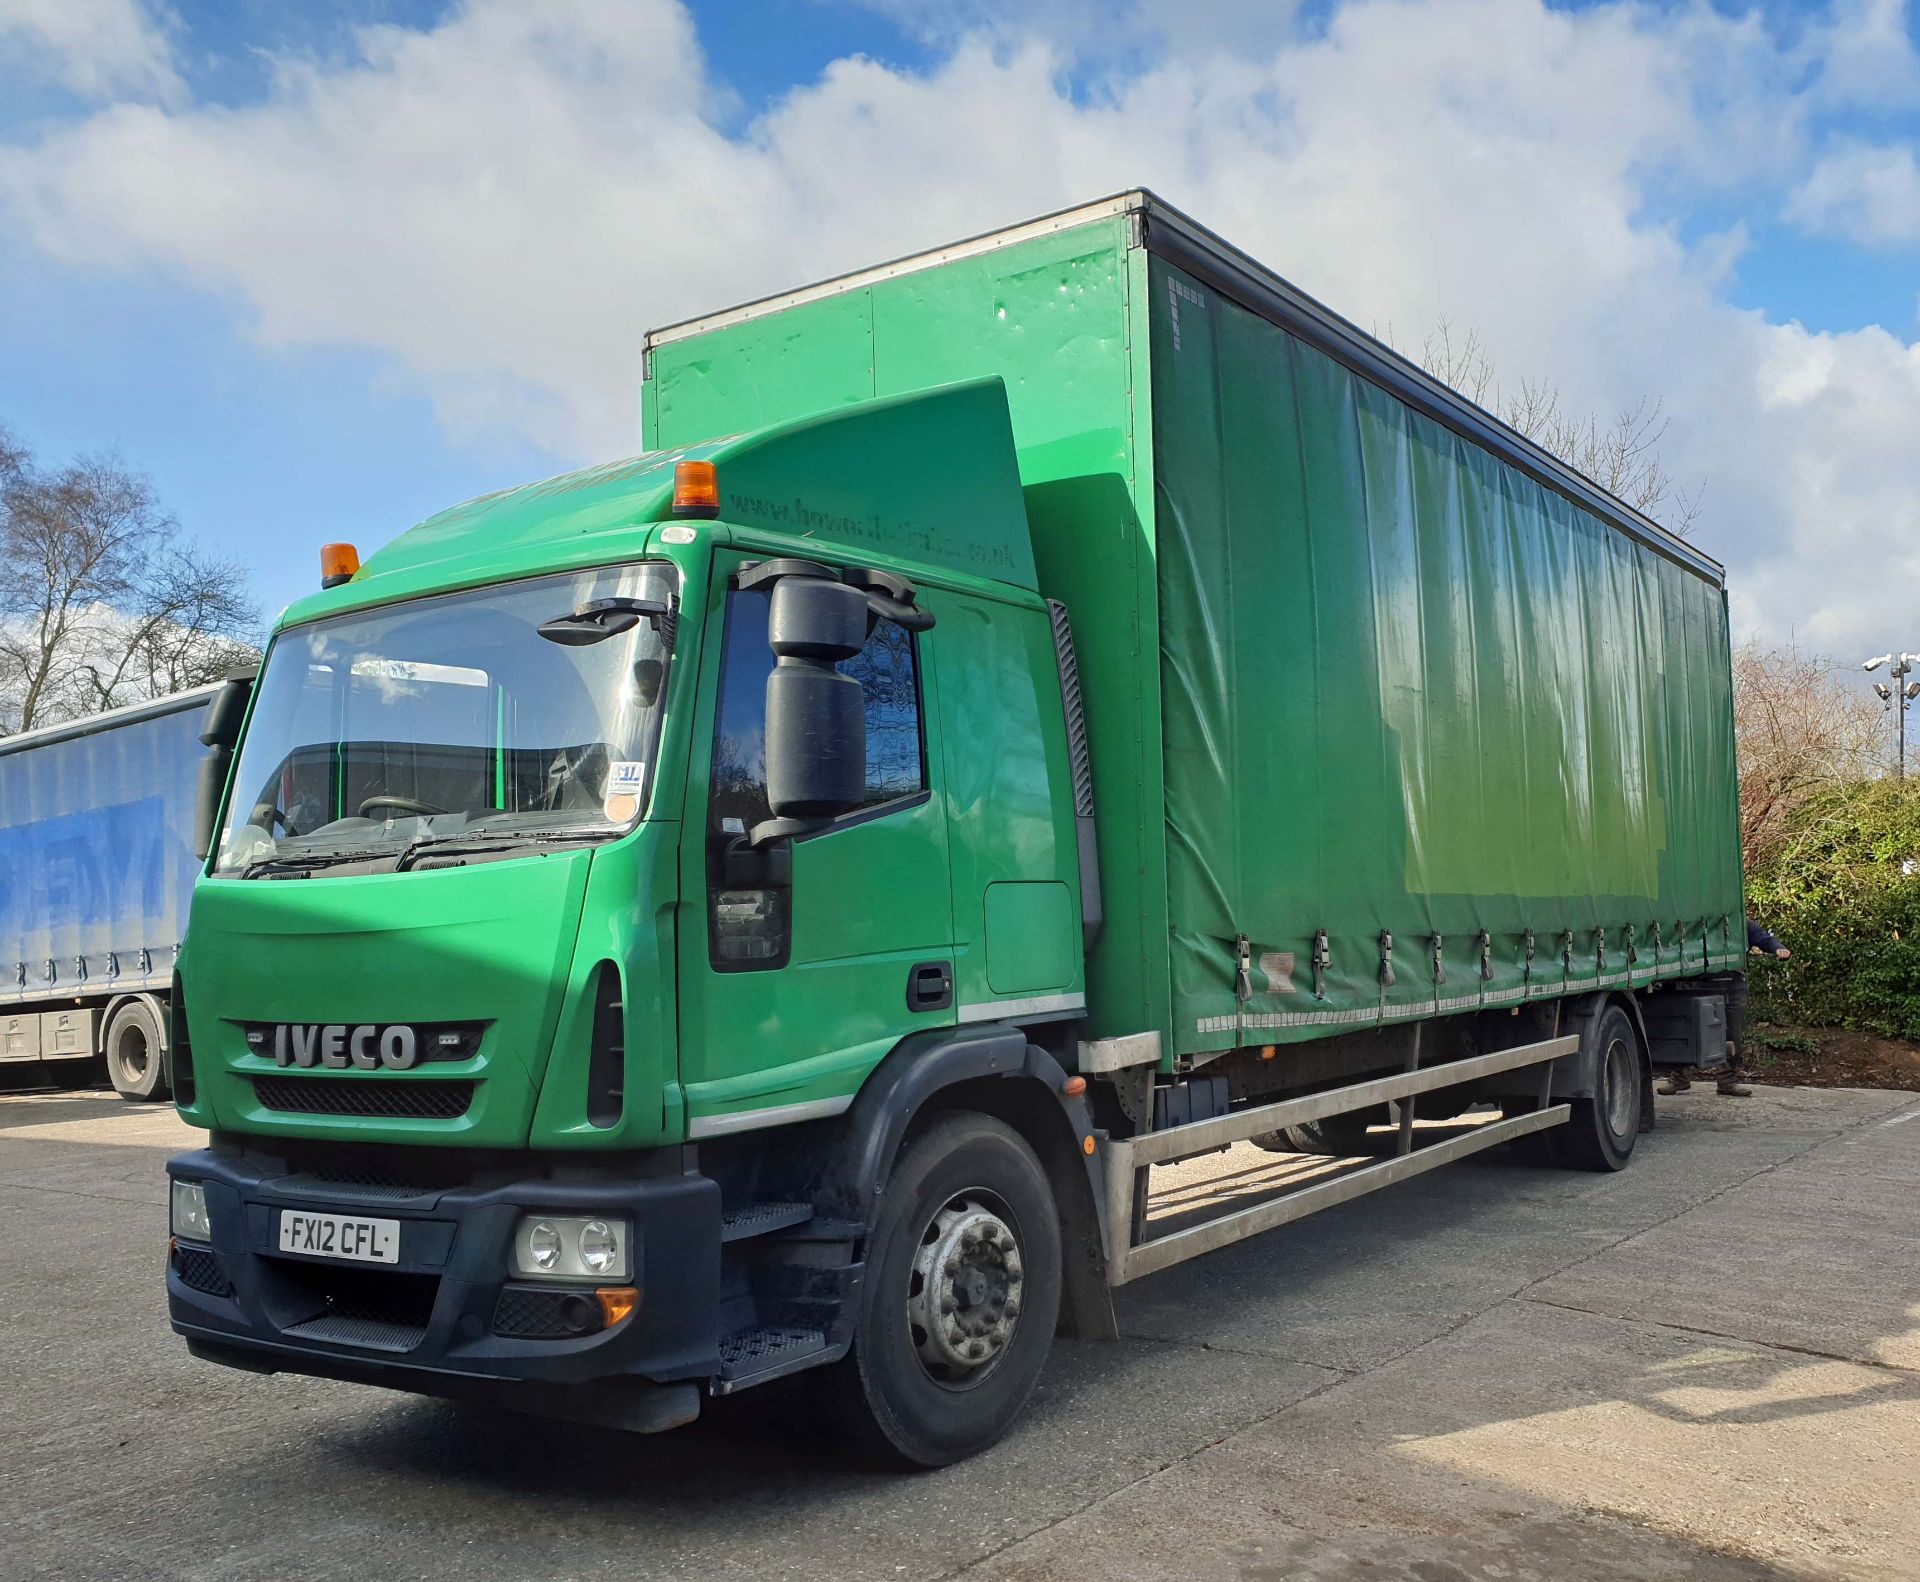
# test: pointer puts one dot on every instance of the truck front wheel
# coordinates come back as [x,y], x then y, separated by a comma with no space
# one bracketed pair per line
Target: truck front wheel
[960,1297]
[134,1061]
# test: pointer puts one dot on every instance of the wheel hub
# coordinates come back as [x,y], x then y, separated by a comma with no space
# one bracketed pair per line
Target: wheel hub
[964,1293]
[131,1053]
[1620,1075]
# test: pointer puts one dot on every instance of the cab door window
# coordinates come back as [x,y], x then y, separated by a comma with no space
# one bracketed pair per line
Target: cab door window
[748,919]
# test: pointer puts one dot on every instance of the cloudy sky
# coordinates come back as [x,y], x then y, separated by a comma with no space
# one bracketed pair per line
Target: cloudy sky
[321,269]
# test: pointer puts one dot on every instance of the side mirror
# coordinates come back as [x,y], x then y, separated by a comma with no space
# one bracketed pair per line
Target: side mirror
[816,741]
[218,733]
[206,797]
[816,747]
[228,708]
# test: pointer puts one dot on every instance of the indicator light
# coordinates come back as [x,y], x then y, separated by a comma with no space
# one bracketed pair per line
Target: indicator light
[616,1301]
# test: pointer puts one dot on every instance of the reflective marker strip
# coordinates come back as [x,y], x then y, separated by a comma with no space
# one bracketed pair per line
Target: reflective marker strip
[779,1115]
[1034,1005]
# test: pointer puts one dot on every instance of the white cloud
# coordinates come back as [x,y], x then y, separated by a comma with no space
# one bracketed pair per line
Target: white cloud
[96,48]
[1865,55]
[505,202]
[1865,192]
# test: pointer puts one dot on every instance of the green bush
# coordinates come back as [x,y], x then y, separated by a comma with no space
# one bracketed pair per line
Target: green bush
[1836,896]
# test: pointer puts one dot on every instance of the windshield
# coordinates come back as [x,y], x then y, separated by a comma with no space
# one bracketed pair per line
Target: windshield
[455,719]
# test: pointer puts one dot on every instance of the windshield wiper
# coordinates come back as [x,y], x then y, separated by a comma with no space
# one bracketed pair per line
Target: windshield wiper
[480,840]
[298,861]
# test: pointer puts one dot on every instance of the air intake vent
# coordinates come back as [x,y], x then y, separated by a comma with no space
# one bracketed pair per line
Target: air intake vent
[201,1271]
[607,1059]
[420,1101]
[179,1046]
[1080,759]
[1080,763]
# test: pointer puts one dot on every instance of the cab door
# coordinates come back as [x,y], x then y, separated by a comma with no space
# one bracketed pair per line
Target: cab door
[804,963]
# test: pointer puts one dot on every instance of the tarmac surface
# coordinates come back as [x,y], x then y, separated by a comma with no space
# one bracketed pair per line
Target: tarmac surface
[1707,1367]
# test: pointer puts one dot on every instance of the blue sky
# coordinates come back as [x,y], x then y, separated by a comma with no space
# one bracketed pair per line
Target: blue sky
[267,453]
[287,260]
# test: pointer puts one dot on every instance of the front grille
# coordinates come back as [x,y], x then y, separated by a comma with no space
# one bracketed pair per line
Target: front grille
[381,1308]
[529,1313]
[200,1270]
[366,1186]
[371,1334]
[406,1100]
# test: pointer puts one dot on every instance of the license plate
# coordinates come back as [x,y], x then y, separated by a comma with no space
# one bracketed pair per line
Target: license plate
[340,1236]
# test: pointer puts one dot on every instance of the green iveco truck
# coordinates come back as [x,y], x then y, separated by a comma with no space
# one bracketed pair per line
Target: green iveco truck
[1040,709]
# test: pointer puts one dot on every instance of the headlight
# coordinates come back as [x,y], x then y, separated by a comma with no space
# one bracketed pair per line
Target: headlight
[190,1211]
[600,1247]
[563,1247]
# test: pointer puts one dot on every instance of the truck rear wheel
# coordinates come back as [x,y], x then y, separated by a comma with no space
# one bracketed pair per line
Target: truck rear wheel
[1602,1130]
[961,1294]
[135,1060]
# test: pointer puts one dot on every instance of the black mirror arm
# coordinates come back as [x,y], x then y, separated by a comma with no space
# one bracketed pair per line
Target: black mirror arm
[768,831]
[888,596]
[910,617]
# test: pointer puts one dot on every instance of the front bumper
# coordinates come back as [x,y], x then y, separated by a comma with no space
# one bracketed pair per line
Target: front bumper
[428,1323]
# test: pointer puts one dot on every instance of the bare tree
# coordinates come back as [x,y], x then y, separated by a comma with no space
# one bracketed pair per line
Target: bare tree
[1621,456]
[1798,729]
[101,601]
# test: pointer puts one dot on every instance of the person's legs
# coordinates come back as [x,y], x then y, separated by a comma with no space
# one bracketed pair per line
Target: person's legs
[1729,1081]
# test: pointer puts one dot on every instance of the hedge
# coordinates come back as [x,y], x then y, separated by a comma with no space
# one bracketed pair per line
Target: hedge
[1844,895]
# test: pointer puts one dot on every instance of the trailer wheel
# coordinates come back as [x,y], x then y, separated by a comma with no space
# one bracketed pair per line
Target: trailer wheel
[135,1060]
[961,1293]
[1602,1130]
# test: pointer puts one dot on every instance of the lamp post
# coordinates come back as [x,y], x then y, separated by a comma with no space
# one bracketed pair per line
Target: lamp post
[1897,697]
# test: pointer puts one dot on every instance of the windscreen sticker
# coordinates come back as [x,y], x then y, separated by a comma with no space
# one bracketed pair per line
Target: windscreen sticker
[621,798]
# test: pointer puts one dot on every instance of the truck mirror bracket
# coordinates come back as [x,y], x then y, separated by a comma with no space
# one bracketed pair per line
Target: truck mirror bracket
[889,597]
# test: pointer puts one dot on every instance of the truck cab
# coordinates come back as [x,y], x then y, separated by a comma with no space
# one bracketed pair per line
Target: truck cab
[584,857]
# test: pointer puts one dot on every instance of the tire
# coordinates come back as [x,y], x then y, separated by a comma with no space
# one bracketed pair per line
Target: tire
[1602,1130]
[135,1058]
[959,1193]
[1336,1134]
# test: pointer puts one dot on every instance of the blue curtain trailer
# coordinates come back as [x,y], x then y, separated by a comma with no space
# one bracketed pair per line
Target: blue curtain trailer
[96,870]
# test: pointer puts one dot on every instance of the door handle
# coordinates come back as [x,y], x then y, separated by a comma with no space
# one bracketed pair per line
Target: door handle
[930,987]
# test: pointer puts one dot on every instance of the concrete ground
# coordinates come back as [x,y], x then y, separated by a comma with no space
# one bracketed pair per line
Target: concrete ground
[1706,1368]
